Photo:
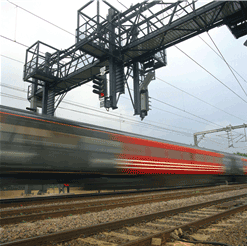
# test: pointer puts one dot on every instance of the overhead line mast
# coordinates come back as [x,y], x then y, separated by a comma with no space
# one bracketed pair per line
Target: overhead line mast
[129,44]
[227,129]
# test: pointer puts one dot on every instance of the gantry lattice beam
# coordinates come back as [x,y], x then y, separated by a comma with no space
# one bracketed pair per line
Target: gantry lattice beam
[134,40]
[227,129]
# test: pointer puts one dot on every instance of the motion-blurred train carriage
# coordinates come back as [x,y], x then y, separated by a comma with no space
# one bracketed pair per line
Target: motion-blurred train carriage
[37,149]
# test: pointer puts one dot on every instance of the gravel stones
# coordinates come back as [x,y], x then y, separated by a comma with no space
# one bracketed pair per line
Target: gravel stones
[38,228]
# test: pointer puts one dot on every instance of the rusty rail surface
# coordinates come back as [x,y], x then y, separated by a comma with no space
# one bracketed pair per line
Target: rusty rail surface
[4,203]
[34,214]
[166,235]
[87,231]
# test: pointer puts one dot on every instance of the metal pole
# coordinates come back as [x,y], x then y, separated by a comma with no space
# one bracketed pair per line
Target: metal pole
[33,102]
[136,82]
[45,99]
[98,28]
[136,88]
[195,140]
[112,66]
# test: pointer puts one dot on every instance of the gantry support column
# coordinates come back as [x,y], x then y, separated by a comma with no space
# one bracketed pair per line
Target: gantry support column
[112,61]
[136,81]
[33,100]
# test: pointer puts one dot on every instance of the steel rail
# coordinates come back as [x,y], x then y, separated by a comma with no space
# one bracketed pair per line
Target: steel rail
[87,231]
[166,235]
[94,206]
[30,200]
[39,213]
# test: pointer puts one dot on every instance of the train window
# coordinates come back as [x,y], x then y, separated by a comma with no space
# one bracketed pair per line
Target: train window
[199,157]
[218,160]
[173,154]
[187,156]
[134,149]
[209,158]
[157,152]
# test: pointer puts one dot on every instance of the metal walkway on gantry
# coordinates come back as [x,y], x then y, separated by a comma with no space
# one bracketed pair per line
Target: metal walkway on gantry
[138,35]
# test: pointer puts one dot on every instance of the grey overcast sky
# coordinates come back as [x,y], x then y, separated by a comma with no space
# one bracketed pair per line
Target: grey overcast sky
[171,115]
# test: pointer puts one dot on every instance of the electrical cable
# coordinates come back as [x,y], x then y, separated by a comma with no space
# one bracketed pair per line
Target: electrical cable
[14,41]
[15,21]
[17,43]
[168,84]
[197,98]
[221,57]
[97,110]
[227,64]
[23,90]
[180,115]
[40,18]
[185,111]
[126,8]
[210,139]
[143,123]
[86,106]
[150,126]
[12,59]
[210,74]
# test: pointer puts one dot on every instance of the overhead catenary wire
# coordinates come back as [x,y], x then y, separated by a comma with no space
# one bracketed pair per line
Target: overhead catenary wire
[40,18]
[185,111]
[170,85]
[227,64]
[180,115]
[210,139]
[210,73]
[97,110]
[14,41]
[219,55]
[23,90]
[92,108]
[130,120]
[103,112]
[175,46]
[197,98]
[124,116]
[221,58]
[12,59]
[23,99]
[149,125]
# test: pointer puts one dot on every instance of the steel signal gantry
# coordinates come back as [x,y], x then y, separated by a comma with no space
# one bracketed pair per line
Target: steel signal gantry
[129,44]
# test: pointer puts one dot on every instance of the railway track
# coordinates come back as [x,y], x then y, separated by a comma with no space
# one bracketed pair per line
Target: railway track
[53,211]
[27,201]
[159,227]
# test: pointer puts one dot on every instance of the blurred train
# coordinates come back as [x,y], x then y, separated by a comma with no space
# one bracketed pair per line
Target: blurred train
[38,149]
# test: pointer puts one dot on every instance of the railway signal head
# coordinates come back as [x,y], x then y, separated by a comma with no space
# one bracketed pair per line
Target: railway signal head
[99,85]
